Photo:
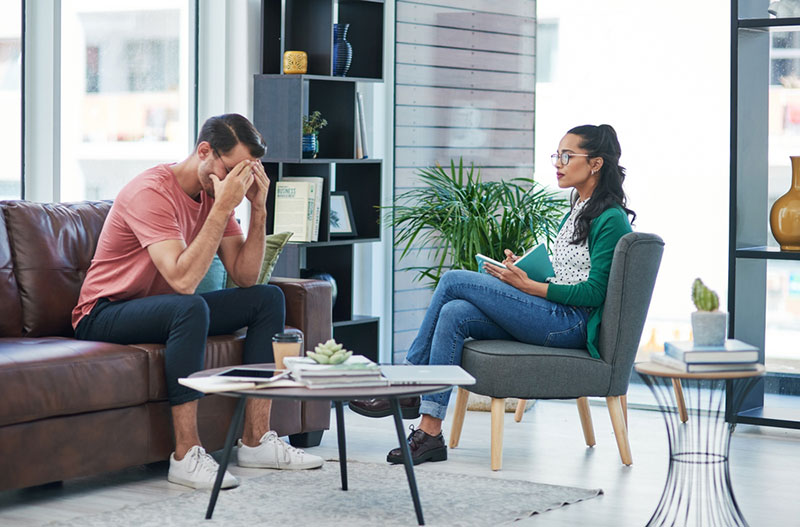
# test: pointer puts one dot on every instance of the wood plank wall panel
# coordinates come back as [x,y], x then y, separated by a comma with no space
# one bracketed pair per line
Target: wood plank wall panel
[464,87]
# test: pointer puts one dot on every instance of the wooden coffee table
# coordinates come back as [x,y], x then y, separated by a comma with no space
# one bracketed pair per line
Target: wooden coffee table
[337,395]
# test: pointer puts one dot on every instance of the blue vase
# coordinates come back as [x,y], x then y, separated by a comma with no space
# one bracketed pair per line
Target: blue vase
[310,146]
[342,50]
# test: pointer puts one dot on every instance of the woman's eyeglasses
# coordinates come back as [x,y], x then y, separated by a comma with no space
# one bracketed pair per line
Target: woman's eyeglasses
[564,158]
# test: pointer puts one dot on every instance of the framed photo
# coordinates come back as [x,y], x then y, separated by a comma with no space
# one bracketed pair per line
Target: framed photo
[341,217]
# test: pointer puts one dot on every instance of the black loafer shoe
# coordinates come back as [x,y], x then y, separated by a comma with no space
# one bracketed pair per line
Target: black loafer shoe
[409,407]
[424,447]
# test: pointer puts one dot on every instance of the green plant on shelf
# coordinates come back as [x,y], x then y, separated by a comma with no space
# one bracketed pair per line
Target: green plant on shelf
[457,215]
[313,123]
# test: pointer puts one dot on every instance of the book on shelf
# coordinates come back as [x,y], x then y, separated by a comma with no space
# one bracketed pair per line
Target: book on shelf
[359,148]
[733,351]
[362,129]
[535,262]
[316,204]
[294,208]
[677,364]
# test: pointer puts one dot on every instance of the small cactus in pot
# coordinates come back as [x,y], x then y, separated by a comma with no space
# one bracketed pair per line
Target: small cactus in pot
[709,325]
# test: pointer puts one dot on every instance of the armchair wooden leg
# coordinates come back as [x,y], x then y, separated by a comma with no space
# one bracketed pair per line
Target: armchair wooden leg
[462,396]
[498,413]
[586,420]
[679,400]
[623,399]
[620,430]
[520,410]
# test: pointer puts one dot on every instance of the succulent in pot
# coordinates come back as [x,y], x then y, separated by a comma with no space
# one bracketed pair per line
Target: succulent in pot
[709,324]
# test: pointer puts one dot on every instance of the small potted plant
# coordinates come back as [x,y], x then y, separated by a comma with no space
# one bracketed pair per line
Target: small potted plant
[709,324]
[312,124]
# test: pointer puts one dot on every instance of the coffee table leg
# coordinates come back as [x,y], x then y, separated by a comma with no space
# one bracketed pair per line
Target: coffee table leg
[342,445]
[412,482]
[226,454]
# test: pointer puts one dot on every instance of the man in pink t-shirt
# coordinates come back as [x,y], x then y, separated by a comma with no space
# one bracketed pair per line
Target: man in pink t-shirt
[156,246]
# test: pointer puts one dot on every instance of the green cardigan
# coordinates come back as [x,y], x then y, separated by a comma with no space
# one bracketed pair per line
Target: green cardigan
[604,233]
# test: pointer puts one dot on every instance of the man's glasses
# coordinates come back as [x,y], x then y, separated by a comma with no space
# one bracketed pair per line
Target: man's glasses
[216,153]
[564,158]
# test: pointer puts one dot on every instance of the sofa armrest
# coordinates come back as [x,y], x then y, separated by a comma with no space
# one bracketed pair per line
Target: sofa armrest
[308,307]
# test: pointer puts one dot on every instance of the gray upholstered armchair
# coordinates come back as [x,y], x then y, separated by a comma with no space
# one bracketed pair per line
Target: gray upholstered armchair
[511,369]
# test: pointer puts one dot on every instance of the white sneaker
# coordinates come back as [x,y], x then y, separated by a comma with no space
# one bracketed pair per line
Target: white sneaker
[197,470]
[274,453]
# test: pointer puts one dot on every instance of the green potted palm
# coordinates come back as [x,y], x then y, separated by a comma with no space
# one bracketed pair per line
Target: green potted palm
[312,124]
[457,214]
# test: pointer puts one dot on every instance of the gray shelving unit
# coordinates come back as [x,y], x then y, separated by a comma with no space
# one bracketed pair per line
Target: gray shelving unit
[748,236]
[279,103]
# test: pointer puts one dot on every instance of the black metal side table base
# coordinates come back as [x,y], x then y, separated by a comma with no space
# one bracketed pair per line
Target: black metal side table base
[698,489]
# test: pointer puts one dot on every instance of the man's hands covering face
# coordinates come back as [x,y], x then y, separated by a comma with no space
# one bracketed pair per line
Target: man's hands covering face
[230,191]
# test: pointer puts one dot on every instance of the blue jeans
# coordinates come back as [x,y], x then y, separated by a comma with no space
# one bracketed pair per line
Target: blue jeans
[184,322]
[470,304]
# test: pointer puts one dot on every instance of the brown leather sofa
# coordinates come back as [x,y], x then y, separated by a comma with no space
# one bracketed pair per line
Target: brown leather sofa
[72,408]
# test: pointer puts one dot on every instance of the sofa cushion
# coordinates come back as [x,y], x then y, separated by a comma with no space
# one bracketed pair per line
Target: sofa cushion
[10,306]
[52,245]
[46,377]
[221,350]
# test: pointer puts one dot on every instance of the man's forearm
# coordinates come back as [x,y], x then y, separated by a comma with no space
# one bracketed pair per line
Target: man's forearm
[251,256]
[195,260]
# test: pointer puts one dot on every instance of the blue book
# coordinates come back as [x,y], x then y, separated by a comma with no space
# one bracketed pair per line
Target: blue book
[536,263]
[733,351]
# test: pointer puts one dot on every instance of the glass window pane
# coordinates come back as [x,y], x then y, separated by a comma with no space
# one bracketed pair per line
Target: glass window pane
[124,92]
[783,317]
[673,131]
[11,100]
[783,278]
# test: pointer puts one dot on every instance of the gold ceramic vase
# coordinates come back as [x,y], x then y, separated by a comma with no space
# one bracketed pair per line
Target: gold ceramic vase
[784,218]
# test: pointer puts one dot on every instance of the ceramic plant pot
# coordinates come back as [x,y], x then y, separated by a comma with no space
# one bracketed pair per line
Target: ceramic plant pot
[709,328]
[310,146]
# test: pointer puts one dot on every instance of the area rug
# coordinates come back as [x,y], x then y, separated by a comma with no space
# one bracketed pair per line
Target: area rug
[378,495]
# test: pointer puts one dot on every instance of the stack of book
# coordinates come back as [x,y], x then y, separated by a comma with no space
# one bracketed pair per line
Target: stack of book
[683,355]
[355,371]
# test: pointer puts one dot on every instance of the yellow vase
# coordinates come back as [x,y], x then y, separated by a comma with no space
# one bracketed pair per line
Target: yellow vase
[784,218]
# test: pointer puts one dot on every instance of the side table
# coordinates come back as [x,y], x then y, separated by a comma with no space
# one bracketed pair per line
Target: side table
[698,488]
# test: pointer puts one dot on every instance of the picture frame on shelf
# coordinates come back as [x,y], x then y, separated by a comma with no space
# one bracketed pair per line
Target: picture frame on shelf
[342,223]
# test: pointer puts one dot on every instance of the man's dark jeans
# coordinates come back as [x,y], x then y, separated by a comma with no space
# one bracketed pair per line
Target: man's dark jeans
[183,322]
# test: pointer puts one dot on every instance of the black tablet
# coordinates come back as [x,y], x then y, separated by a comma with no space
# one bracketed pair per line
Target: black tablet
[243,373]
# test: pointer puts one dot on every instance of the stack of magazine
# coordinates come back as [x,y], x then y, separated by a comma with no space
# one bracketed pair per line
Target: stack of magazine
[683,355]
[355,371]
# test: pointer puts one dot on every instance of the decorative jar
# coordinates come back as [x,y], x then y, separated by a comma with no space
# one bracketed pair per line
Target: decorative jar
[295,62]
